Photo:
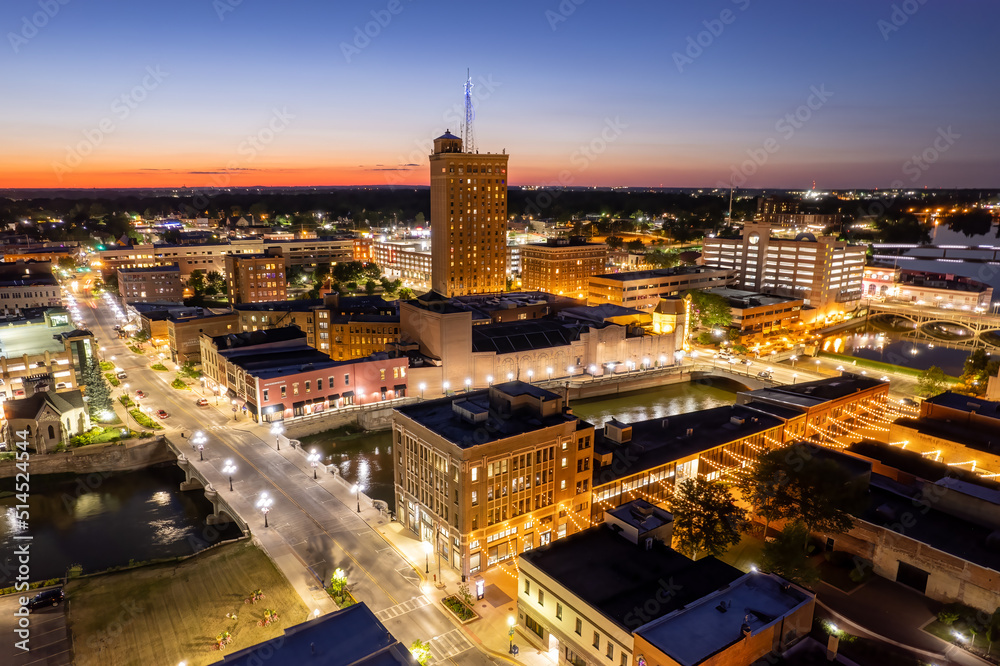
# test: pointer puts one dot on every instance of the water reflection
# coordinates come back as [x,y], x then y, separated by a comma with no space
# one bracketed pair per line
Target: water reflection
[909,353]
[138,515]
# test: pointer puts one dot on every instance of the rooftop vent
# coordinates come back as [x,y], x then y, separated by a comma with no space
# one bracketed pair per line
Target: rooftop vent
[618,432]
[469,411]
[737,420]
[664,423]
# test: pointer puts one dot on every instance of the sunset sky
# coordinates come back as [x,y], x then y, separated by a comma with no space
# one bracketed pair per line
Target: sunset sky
[202,93]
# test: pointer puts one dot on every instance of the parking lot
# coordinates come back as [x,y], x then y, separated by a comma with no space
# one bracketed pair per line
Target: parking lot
[49,643]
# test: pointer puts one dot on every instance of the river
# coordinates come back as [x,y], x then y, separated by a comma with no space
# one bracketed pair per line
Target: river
[139,515]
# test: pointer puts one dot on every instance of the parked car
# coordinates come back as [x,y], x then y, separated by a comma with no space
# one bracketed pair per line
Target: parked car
[47,598]
[202,402]
[162,414]
[909,402]
[120,374]
[747,362]
[140,394]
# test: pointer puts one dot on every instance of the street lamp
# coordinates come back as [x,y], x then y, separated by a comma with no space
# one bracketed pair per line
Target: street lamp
[357,494]
[645,363]
[313,459]
[426,545]
[468,384]
[510,633]
[510,376]
[531,373]
[446,386]
[422,386]
[549,372]
[229,469]
[793,358]
[276,430]
[235,409]
[198,440]
[264,504]
[489,380]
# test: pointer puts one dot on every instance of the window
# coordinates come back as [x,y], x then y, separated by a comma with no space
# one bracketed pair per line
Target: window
[475,474]
[347,380]
[308,383]
[611,650]
[558,611]
[565,462]
[597,640]
[265,394]
[475,498]
[527,586]
[319,384]
[624,659]
[295,388]
[541,598]
[283,392]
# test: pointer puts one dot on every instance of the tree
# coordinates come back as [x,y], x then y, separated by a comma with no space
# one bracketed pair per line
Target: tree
[803,486]
[98,392]
[635,246]
[932,382]
[421,651]
[614,242]
[140,337]
[706,518]
[710,310]
[197,282]
[406,294]
[370,287]
[214,283]
[338,582]
[786,557]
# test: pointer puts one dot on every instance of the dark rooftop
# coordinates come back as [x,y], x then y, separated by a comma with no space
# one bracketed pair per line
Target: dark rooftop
[659,441]
[444,419]
[515,336]
[966,403]
[889,503]
[28,408]
[976,437]
[657,273]
[617,577]
[352,636]
[253,338]
[284,361]
[809,394]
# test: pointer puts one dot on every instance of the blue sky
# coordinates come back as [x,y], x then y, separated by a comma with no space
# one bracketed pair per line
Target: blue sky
[551,76]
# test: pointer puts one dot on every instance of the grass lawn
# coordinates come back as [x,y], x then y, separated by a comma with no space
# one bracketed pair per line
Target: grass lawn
[168,613]
[945,632]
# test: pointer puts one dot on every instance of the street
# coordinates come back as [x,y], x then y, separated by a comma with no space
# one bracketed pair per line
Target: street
[310,530]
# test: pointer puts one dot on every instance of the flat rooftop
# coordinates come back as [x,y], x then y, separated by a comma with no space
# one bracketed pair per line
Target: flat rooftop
[714,622]
[440,417]
[31,339]
[659,441]
[975,437]
[617,577]
[741,299]
[966,403]
[282,361]
[809,394]
[889,502]
[351,636]
[642,515]
[515,336]
[173,268]
[660,273]
[247,339]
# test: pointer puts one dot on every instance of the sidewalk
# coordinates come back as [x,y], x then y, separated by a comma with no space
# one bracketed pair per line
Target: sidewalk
[439,579]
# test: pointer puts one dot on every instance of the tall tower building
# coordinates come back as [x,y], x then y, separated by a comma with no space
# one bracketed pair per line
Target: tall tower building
[468,219]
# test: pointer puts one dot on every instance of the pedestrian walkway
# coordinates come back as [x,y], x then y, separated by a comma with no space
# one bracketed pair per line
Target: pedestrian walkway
[438,580]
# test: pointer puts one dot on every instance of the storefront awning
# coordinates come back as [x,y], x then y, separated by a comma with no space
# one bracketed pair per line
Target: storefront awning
[399,387]
[298,405]
[271,409]
[348,394]
[333,397]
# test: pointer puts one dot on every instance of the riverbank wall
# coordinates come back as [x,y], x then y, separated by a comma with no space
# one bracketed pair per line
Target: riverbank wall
[112,457]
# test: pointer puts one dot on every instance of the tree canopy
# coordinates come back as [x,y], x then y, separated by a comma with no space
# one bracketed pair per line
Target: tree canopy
[710,310]
[706,518]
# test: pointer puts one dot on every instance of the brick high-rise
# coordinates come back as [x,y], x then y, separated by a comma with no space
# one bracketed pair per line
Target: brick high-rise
[468,219]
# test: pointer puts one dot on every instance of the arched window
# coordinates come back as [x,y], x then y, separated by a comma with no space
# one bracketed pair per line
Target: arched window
[52,432]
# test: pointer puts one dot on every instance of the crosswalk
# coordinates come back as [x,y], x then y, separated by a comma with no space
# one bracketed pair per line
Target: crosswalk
[403,608]
[449,645]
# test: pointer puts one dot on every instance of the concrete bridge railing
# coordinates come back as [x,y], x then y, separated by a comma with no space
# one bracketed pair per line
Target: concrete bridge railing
[222,512]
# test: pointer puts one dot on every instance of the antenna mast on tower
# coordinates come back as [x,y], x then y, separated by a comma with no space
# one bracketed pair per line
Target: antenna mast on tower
[468,141]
